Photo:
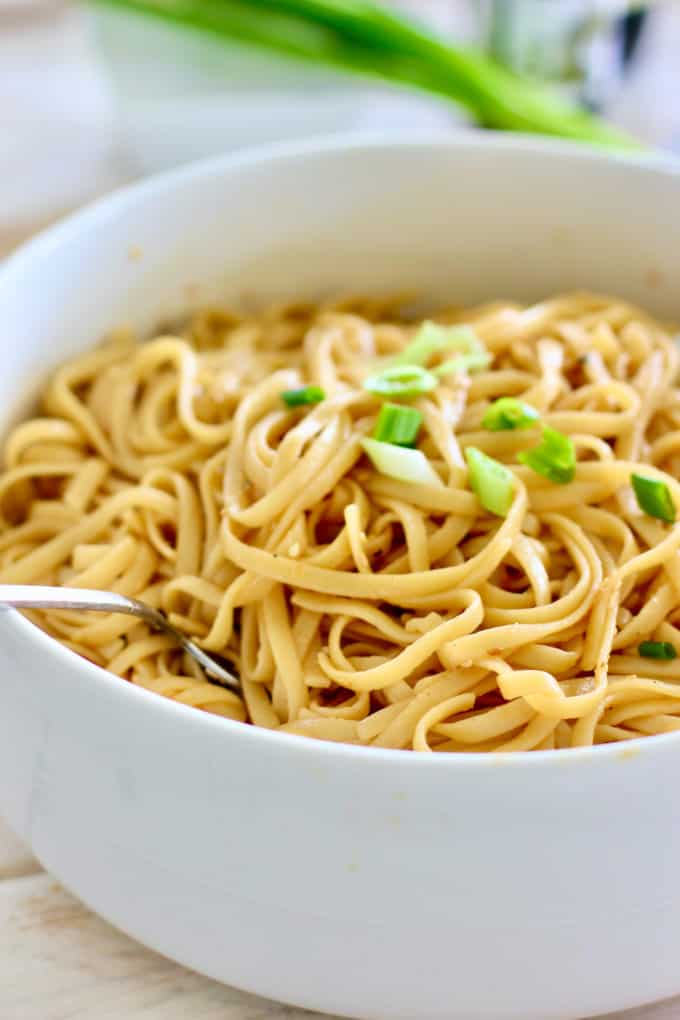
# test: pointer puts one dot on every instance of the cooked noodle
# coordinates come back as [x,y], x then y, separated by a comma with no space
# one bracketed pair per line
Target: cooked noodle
[355,607]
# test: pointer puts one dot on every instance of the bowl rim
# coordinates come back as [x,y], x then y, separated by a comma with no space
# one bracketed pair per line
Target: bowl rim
[96,214]
[98,211]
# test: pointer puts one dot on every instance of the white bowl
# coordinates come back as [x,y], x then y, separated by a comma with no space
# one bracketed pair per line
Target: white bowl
[362,882]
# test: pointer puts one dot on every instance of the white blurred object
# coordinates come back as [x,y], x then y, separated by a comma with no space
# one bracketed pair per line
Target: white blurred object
[564,41]
[89,100]
[83,111]
[56,116]
[650,104]
[184,94]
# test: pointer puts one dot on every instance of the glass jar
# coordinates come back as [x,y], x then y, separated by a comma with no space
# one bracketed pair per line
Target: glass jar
[584,46]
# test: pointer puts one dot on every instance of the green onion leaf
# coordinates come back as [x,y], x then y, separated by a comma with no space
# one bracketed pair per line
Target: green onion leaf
[398,425]
[305,395]
[475,361]
[365,38]
[657,650]
[405,381]
[432,338]
[654,497]
[554,457]
[509,413]
[401,463]
[492,483]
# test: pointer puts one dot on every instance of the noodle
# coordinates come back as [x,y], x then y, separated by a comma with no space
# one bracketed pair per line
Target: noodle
[356,607]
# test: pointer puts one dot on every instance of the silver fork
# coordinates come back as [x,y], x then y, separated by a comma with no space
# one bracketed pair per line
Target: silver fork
[39,596]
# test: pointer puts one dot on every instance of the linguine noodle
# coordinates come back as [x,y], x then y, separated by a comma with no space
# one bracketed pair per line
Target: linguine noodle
[356,607]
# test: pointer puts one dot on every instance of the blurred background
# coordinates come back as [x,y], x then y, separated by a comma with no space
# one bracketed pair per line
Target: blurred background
[95,95]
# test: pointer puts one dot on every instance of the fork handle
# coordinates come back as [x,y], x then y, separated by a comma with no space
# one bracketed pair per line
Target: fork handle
[42,596]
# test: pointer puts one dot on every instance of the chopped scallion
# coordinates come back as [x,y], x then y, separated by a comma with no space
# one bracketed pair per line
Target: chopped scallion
[405,381]
[654,497]
[554,457]
[305,395]
[398,424]
[492,483]
[401,463]
[432,338]
[475,361]
[657,650]
[509,413]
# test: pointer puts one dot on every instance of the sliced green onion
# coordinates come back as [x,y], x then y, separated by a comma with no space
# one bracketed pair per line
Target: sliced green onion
[305,395]
[432,338]
[475,361]
[405,381]
[398,425]
[554,457]
[509,413]
[401,463]
[492,483]
[657,650]
[654,497]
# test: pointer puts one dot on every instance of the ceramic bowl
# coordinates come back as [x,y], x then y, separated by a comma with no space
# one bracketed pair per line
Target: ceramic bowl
[360,882]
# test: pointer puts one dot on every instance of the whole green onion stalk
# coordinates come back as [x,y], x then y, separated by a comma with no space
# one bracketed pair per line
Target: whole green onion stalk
[367,39]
